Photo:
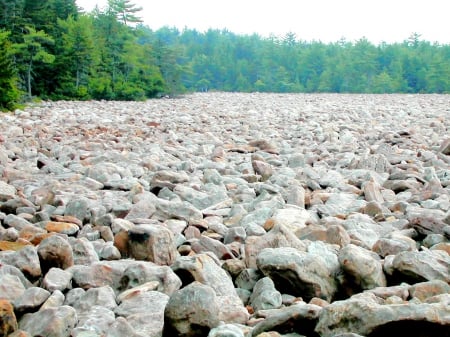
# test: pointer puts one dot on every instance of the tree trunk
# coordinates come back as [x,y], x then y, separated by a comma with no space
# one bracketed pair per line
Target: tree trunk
[29,79]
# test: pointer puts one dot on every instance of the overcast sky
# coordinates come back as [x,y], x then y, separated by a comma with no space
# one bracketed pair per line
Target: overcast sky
[325,20]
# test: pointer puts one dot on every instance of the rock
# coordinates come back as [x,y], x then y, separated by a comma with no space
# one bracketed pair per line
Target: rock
[83,251]
[299,273]
[300,318]
[265,296]
[57,279]
[394,244]
[362,268]
[55,251]
[11,287]
[101,296]
[422,266]
[26,259]
[365,315]
[278,237]
[94,322]
[62,227]
[202,268]
[425,290]
[78,207]
[226,330]
[153,243]
[31,299]
[8,321]
[184,316]
[56,299]
[51,322]
[138,273]
[7,191]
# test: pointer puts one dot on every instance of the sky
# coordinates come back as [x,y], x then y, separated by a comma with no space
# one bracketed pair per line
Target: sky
[325,20]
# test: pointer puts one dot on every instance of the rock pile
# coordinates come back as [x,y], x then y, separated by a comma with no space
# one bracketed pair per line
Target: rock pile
[227,215]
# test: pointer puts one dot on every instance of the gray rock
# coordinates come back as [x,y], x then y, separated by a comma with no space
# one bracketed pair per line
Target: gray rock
[83,251]
[56,299]
[11,287]
[51,322]
[7,191]
[184,316]
[26,259]
[422,266]
[300,318]
[101,296]
[153,243]
[31,299]
[55,251]
[365,314]
[57,279]
[299,273]
[204,269]
[140,272]
[278,236]
[265,296]
[362,268]
[79,208]
[94,322]
[226,330]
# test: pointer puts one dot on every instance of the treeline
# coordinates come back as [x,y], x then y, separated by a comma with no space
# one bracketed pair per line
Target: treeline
[52,50]
[221,60]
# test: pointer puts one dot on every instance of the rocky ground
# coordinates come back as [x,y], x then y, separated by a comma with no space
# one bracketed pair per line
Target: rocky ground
[227,215]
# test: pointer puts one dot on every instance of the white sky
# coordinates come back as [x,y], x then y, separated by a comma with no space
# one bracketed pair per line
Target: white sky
[325,20]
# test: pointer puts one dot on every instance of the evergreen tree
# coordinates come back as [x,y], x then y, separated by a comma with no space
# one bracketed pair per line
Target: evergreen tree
[9,93]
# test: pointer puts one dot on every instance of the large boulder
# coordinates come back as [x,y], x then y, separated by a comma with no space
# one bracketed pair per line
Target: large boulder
[191,311]
[305,274]
[368,315]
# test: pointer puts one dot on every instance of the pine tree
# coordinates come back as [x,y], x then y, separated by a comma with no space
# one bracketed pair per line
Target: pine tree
[9,93]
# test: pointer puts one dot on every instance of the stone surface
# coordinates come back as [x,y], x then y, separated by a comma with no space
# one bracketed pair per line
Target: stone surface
[191,311]
[127,204]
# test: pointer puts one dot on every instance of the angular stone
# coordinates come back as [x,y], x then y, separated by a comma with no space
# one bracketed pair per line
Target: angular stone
[279,236]
[300,318]
[31,299]
[26,259]
[144,311]
[7,191]
[8,321]
[51,322]
[153,243]
[62,227]
[265,296]
[422,266]
[184,316]
[55,251]
[364,314]
[363,269]
[11,288]
[425,290]
[57,279]
[300,273]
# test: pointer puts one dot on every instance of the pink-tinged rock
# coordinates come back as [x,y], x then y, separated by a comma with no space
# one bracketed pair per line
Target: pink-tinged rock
[55,251]
[51,322]
[153,243]
[8,321]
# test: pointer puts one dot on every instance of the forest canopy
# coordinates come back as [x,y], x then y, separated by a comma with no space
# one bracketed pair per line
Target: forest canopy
[51,49]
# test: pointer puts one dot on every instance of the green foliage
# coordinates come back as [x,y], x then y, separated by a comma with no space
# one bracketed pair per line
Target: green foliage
[9,93]
[50,50]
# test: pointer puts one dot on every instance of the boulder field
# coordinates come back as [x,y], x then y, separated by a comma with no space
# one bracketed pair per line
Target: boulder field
[227,215]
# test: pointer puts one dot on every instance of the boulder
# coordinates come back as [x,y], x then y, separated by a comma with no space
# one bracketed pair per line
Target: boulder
[191,311]
[362,268]
[50,322]
[367,315]
[300,273]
